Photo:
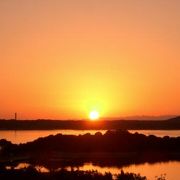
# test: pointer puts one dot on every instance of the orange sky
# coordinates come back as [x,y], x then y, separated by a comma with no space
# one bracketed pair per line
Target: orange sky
[61,59]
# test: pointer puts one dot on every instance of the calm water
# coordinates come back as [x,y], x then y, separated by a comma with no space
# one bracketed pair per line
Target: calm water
[170,169]
[24,136]
[159,133]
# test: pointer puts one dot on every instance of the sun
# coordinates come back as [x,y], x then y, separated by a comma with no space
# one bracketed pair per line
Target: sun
[94,115]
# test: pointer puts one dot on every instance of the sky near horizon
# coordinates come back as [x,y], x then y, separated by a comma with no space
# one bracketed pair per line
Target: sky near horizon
[62,59]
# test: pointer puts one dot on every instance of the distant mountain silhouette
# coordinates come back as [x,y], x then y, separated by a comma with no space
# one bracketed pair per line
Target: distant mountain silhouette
[175,119]
[143,117]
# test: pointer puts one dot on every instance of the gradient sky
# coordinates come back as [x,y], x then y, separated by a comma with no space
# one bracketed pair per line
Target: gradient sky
[61,59]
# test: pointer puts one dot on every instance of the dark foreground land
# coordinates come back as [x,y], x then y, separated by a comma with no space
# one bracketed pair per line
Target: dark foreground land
[114,148]
[170,124]
[31,173]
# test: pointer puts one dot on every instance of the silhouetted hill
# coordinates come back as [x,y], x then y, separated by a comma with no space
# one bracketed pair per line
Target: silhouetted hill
[111,141]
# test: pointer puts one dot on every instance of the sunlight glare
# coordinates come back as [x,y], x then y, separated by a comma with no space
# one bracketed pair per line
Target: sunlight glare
[94,115]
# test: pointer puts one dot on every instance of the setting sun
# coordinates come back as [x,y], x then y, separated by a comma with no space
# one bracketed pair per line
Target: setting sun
[94,115]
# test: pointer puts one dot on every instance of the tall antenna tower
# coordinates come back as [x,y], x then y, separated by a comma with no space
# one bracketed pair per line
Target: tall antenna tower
[15,116]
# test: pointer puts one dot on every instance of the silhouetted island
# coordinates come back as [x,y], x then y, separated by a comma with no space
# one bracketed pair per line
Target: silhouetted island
[113,145]
[170,124]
